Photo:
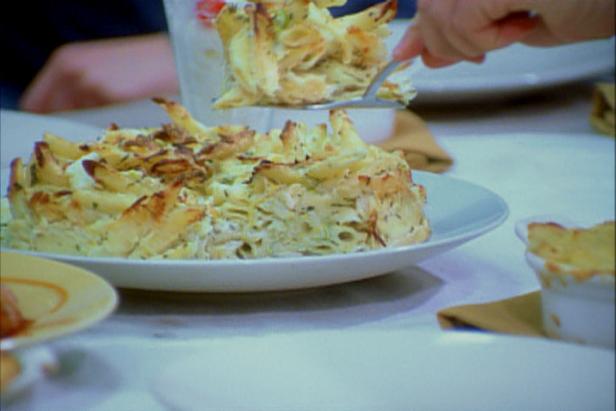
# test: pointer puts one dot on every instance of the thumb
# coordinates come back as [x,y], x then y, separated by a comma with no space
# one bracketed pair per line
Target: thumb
[515,27]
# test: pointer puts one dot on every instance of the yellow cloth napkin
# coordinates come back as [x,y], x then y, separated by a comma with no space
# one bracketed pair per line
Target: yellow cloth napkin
[421,151]
[603,114]
[518,315]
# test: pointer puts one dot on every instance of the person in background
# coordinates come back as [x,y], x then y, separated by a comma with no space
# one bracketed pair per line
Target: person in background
[448,31]
[70,54]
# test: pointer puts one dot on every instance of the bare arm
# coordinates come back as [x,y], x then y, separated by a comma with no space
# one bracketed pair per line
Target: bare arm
[89,74]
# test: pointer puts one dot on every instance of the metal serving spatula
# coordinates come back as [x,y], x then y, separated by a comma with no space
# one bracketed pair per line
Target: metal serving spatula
[369,99]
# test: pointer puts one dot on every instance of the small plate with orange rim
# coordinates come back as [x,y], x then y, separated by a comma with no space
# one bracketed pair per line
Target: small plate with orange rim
[56,299]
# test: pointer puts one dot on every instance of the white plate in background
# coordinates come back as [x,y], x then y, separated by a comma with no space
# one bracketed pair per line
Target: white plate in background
[511,71]
[336,370]
[389,370]
[458,211]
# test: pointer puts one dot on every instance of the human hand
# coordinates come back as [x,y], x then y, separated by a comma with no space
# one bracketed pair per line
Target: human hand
[94,73]
[448,31]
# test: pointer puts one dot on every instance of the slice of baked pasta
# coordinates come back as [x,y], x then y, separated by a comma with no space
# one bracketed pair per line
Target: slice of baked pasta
[189,191]
[294,52]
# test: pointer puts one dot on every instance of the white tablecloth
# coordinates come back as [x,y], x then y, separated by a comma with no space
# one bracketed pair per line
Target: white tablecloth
[538,153]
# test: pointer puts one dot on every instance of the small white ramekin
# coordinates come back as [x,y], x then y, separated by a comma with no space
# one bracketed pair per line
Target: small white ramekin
[578,308]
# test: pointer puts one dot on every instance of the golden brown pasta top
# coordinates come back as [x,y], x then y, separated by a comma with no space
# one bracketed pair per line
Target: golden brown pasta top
[295,52]
[189,191]
[587,250]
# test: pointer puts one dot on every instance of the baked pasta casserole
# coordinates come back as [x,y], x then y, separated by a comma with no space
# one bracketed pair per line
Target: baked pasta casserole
[186,191]
[587,250]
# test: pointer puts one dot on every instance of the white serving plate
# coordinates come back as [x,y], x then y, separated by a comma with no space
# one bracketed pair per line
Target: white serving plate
[458,211]
[389,370]
[511,71]
[340,370]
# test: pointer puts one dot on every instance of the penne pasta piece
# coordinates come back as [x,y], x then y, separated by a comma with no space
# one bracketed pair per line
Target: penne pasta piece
[65,149]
